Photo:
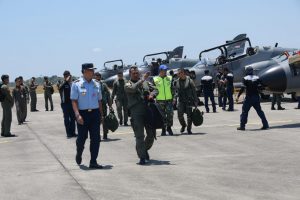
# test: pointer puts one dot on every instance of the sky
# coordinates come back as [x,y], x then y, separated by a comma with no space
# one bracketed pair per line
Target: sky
[46,37]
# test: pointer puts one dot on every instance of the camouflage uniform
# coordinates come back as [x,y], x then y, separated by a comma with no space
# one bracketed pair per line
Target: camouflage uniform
[187,98]
[166,106]
[7,105]
[121,100]
[19,96]
[136,104]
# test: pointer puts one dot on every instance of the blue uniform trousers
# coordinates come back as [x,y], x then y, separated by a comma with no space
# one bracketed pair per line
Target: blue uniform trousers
[252,101]
[209,95]
[69,118]
[229,93]
[91,125]
[299,102]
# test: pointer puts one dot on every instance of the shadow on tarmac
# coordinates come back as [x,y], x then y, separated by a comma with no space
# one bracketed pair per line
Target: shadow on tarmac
[185,134]
[110,140]
[284,126]
[86,168]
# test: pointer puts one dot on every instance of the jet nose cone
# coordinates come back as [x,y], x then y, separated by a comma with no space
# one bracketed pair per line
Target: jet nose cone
[274,79]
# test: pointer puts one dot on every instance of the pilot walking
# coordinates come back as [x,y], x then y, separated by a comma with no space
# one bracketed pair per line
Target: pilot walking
[228,81]
[136,89]
[105,101]
[252,84]
[187,98]
[207,86]
[121,99]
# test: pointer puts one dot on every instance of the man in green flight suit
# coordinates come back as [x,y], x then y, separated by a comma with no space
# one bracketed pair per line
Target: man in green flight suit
[121,98]
[7,103]
[187,98]
[136,89]
[106,101]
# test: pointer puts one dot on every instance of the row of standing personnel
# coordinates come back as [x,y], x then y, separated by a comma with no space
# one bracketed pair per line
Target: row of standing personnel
[20,96]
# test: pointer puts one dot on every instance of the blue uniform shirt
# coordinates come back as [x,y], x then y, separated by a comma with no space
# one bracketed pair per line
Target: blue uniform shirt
[88,94]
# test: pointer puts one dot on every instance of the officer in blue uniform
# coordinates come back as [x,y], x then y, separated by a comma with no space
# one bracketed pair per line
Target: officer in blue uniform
[66,104]
[207,86]
[86,101]
[252,84]
[228,81]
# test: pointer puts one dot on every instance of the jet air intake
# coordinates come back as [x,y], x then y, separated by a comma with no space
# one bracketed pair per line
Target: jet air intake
[274,79]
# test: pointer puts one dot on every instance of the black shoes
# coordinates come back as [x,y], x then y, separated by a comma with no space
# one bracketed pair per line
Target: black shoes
[230,110]
[78,159]
[182,129]
[95,166]
[125,124]
[169,129]
[163,132]
[104,136]
[10,135]
[241,128]
[265,127]
[297,108]
[71,136]
[142,161]
[120,123]
[279,108]
[189,132]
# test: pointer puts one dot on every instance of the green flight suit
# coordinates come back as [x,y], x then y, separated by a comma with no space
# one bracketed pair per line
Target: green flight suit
[187,98]
[137,106]
[7,105]
[121,100]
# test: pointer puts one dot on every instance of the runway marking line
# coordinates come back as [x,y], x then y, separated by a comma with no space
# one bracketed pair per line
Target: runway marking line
[3,142]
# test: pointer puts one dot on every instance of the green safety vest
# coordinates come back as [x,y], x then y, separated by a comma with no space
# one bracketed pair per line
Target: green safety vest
[163,86]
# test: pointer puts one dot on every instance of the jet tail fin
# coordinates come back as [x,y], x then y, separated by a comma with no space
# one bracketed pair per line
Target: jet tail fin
[176,53]
[237,48]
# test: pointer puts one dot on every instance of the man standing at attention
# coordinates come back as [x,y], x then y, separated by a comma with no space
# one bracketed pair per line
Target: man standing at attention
[7,103]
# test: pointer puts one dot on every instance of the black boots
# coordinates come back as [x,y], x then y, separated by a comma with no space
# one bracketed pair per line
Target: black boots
[169,130]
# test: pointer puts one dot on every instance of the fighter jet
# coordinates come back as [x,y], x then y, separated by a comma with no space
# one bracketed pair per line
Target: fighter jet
[151,62]
[234,57]
[110,69]
[281,74]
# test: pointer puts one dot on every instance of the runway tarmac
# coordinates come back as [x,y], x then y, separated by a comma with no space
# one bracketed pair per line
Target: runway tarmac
[217,162]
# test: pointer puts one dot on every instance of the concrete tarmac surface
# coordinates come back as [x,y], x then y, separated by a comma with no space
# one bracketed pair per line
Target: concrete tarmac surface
[217,162]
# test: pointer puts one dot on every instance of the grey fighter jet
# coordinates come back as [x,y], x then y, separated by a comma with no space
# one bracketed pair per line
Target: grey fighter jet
[110,69]
[151,62]
[234,57]
[282,74]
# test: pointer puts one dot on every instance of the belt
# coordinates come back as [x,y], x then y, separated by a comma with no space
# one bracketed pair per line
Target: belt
[89,110]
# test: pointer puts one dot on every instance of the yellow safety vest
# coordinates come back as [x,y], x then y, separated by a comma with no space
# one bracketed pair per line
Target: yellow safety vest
[163,86]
